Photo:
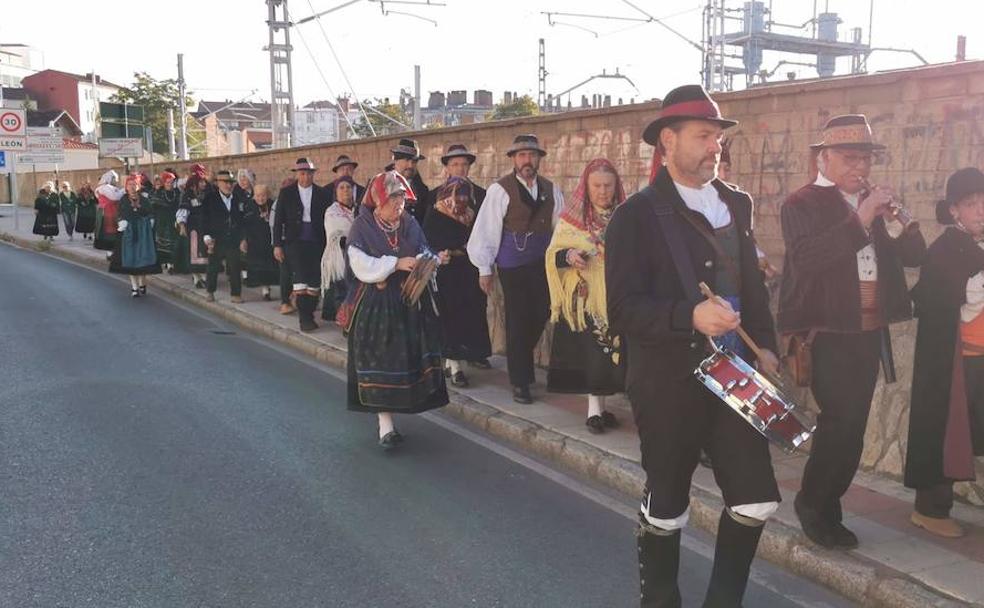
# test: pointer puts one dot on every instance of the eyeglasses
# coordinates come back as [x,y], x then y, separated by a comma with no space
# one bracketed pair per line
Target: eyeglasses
[855,160]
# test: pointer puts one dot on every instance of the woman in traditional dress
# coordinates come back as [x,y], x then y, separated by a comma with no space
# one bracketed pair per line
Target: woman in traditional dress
[189,221]
[69,203]
[338,222]
[165,201]
[394,362]
[85,219]
[136,251]
[46,207]
[946,418]
[262,269]
[584,357]
[108,194]
[460,300]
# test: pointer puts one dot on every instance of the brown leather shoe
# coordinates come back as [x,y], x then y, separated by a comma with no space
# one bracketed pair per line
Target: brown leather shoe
[236,299]
[286,309]
[945,527]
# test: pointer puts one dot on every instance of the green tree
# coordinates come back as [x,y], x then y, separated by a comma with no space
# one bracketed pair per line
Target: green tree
[156,96]
[381,124]
[521,106]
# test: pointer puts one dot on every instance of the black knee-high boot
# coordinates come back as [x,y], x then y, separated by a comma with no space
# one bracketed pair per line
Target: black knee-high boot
[733,555]
[305,312]
[659,564]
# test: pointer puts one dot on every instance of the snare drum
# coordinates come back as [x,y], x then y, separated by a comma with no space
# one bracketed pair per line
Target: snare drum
[755,398]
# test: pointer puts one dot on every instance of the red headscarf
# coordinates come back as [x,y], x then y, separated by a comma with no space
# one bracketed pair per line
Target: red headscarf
[382,185]
[134,178]
[579,211]
[167,176]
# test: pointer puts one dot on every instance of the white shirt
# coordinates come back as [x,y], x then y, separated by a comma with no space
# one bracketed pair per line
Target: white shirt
[867,260]
[706,201]
[306,202]
[975,296]
[227,200]
[483,245]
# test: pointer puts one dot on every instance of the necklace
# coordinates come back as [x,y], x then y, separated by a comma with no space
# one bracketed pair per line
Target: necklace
[389,231]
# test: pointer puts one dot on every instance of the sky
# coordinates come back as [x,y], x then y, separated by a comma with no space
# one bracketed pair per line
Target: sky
[476,44]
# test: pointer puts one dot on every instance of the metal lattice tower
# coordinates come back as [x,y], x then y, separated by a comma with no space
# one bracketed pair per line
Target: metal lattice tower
[542,96]
[281,73]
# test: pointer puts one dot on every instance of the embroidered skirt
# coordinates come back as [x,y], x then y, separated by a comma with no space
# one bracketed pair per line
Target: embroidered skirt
[394,353]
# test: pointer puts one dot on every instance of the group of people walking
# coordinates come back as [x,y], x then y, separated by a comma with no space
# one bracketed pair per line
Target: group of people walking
[406,271]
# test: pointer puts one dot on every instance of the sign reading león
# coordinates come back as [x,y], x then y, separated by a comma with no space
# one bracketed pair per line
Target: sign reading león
[123,147]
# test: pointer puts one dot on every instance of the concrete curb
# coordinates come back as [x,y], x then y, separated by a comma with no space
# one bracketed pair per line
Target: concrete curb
[855,578]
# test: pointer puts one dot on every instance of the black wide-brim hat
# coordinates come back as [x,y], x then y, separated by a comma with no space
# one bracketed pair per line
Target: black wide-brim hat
[963,183]
[458,151]
[342,161]
[407,148]
[525,142]
[303,164]
[689,102]
[848,131]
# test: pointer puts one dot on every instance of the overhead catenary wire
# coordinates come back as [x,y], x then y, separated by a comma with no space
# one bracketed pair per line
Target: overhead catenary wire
[341,68]
[324,79]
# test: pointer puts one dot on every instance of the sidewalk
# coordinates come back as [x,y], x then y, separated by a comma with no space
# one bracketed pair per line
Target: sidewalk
[897,565]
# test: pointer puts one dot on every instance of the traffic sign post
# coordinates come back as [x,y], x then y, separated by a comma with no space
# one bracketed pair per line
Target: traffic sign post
[44,145]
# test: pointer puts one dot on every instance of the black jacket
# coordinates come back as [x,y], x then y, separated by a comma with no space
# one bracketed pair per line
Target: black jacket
[647,304]
[221,223]
[942,289]
[290,214]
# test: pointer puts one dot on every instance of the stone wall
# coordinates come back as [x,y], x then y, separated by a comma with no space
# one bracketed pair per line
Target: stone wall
[928,117]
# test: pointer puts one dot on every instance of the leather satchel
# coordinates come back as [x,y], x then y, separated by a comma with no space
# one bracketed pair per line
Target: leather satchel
[798,357]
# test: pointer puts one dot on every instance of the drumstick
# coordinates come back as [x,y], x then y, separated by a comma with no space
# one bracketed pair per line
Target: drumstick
[704,289]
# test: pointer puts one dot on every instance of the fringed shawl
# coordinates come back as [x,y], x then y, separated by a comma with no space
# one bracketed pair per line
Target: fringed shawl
[576,294]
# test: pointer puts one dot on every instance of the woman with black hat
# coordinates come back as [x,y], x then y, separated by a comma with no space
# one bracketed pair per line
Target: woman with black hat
[334,264]
[946,417]
[345,167]
[394,362]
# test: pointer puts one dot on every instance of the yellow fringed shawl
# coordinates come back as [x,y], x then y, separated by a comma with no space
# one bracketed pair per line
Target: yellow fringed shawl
[576,294]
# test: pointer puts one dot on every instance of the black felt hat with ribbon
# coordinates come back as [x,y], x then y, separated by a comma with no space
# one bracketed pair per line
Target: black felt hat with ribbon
[457,151]
[689,102]
[407,148]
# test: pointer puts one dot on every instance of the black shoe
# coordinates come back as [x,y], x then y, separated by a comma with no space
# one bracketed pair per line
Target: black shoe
[611,422]
[595,424]
[199,284]
[481,364]
[134,293]
[308,325]
[521,394]
[143,290]
[266,297]
[391,440]
[843,538]
[830,535]
[459,380]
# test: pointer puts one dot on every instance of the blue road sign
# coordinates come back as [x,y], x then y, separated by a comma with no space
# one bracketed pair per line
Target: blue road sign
[3,159]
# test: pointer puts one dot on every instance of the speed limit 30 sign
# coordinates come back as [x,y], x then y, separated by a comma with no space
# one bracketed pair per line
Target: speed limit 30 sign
[12,123]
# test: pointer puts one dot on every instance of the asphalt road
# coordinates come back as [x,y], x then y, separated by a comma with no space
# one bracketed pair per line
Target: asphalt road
[153,456]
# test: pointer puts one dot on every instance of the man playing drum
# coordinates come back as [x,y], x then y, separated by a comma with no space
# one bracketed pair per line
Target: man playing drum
[659,248]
